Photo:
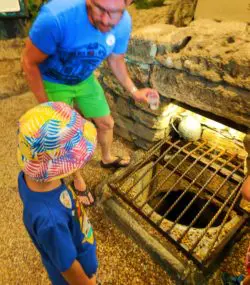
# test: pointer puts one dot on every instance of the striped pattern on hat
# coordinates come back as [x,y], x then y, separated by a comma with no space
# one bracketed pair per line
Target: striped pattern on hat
[54,141]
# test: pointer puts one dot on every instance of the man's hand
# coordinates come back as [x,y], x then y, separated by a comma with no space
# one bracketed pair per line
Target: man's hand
[119,69]
[141,95]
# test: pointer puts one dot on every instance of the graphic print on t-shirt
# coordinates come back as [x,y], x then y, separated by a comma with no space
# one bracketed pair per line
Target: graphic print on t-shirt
[65,199]
[73,67]
[83,220]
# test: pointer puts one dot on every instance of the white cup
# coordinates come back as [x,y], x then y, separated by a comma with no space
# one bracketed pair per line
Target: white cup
[153,101]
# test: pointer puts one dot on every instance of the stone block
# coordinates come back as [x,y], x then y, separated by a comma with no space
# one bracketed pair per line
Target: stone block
[123,107]
[220,99]
[124,133]
[154,33]
[139,73]
[141,143]
[111,98]
[214,139]
[168,38]
[211,50]
[148,134]
[140,50]
[138,129]
[111,83]
[149,120]
[123,122]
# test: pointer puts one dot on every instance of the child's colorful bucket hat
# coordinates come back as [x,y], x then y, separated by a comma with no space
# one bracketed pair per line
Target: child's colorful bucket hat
[54,141]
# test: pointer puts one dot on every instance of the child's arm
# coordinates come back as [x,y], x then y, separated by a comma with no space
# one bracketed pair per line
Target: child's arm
[56,240]
[245,189]
[75,275]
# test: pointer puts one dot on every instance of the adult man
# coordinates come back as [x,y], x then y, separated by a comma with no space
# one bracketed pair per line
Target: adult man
[67,42]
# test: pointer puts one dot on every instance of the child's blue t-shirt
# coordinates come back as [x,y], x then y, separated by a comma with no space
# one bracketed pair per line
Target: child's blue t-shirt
[60,230]
[75,47]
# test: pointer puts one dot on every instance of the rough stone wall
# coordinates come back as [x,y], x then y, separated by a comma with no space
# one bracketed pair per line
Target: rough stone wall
[205,65]
[12,81]
[181,12]
[134,121]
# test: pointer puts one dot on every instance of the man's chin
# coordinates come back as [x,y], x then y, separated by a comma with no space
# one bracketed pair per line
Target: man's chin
[103,29]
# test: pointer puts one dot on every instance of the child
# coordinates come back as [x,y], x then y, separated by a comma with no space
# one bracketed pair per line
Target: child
[53,142]
[245,190]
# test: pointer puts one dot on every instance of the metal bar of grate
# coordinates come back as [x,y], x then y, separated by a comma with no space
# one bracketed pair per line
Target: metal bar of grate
[157,161]
[208,202]
[227,239]
[198,193]
[215,217]
[162,183]
[133,206]
[177,181]
[222,170]
[210,170]
[211,246]
[185,191]
[119,180]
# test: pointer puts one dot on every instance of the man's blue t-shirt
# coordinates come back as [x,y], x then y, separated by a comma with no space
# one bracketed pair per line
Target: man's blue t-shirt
[60,230]
[75,47]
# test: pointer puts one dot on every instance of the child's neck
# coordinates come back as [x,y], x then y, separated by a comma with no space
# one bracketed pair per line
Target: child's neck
[41,186]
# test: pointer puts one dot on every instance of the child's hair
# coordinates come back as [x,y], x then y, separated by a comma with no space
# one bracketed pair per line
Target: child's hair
[54,141]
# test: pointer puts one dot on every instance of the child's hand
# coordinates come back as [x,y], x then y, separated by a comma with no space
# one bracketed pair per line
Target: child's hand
[75,275]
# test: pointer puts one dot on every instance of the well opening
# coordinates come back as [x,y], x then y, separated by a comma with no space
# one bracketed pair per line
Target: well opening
[191,213]
[190,192]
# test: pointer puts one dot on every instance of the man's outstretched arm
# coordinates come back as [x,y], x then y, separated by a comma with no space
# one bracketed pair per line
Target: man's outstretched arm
[118,66]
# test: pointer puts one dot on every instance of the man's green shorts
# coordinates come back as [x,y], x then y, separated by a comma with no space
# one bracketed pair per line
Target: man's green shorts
[88,96]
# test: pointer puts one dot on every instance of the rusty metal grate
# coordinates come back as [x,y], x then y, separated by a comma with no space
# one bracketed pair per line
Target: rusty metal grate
[190,193]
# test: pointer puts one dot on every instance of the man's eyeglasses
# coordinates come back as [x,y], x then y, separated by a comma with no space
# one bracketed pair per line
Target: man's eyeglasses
[99,10]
